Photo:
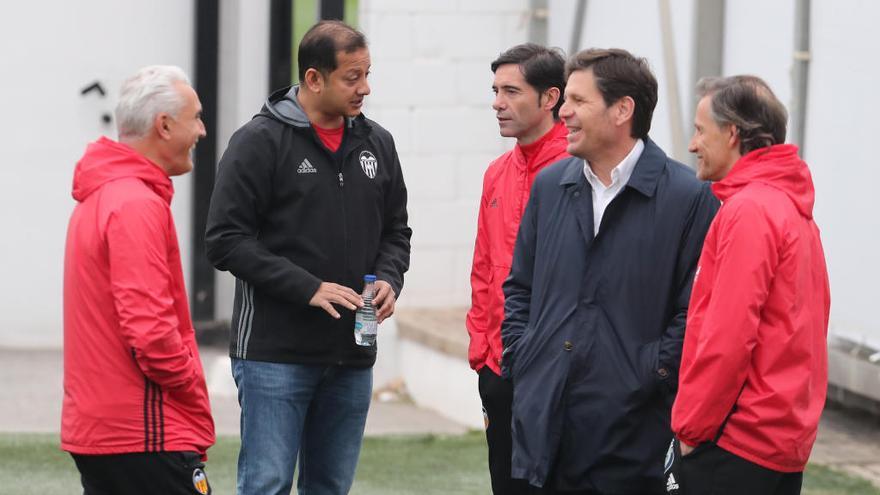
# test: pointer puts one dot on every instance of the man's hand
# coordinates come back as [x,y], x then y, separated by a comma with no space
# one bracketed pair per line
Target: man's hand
[329,294]
[384,300]
[685,448]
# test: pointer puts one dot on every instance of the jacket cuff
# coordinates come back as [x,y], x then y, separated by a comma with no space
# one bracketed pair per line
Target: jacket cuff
[307,288]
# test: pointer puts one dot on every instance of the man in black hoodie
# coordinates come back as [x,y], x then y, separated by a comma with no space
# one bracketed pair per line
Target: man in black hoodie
[309,198]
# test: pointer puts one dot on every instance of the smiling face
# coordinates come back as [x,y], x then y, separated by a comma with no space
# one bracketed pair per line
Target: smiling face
[343,90]
[181,132]
[716,147]
[518,106]
[590,122]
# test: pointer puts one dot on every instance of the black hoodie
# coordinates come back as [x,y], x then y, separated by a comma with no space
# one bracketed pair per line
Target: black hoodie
[287,214]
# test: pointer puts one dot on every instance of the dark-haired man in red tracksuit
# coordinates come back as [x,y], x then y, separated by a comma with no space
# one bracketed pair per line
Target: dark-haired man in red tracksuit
[529,82]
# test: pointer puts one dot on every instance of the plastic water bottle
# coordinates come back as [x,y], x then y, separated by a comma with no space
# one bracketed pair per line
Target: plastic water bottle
[365,324]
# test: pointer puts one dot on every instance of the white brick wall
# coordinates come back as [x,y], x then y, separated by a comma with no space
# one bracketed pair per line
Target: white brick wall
[431,87]
[244,62]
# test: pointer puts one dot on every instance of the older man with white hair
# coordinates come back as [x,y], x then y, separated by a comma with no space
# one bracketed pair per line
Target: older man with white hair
[136,417]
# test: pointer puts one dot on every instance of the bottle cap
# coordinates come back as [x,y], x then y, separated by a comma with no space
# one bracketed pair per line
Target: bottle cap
[369,278]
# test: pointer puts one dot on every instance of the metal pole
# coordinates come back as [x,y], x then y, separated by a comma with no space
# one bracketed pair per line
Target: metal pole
[577,30]
[675,121]
[800,73]
[280,34]
[207,35]
[708,48]
[538,15]
[332,9]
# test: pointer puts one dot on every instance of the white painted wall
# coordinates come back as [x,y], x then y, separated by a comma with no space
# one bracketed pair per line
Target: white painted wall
[51,50]
[243,87]
[842,128]
[841,112]
[634,25]
[431,87]
[759,40]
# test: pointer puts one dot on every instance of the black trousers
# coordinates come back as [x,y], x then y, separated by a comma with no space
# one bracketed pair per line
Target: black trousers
[548,490]
[147,473]
[709,469]
[497,396]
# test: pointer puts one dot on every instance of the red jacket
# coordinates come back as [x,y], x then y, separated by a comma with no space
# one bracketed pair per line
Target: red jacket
[133,381]
[756,328]
[506,186]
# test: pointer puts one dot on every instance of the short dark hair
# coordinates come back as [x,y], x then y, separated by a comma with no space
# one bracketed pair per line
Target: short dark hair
[619,73]
[542,67]
[747,103]
[319,46]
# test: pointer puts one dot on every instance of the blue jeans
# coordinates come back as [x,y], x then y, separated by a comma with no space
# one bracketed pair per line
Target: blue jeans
[317,412]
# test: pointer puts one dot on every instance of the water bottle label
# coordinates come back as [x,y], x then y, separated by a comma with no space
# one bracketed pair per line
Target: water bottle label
[358,325]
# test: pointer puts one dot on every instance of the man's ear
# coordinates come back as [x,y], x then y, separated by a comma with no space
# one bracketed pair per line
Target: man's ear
[314,80]
[552,96]
[733,138]
[162,124]
[624,109]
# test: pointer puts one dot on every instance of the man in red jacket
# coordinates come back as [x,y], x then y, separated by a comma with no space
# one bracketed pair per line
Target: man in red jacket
[528,86]
[135,417]
[754,366]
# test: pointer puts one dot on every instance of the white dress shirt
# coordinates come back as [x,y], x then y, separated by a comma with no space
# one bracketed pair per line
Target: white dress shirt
[620,175]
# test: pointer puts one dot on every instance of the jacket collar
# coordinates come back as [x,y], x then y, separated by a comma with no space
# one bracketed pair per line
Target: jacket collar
[648,169]
[643,179]
[546,149]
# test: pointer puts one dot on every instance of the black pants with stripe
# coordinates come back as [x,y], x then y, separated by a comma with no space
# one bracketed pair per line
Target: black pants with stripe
[145,473]
[497,396]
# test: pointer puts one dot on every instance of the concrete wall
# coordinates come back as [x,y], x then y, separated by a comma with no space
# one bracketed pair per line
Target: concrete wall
[635,26]
[51,50]
[842,125]
[243,87]
[768,55]
[54,49]
[841,108]
[431,87]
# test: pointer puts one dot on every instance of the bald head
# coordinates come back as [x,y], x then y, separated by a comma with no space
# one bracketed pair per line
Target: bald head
[319,46]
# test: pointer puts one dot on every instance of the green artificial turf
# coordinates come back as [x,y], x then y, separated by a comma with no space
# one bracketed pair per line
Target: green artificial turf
[391,465]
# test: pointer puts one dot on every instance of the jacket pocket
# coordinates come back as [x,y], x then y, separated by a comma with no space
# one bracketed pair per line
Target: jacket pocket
[647,367]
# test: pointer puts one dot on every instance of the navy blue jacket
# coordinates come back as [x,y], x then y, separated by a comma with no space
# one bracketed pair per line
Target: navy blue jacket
[594,325]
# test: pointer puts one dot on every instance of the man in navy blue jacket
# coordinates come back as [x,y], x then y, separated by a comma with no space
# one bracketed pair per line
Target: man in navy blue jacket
[598,291]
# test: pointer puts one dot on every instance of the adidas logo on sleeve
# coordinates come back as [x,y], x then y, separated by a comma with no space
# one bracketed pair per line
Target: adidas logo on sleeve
[306,167]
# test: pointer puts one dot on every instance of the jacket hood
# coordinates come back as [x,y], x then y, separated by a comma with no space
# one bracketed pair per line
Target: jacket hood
[283,105]
[777,166]
[106,160]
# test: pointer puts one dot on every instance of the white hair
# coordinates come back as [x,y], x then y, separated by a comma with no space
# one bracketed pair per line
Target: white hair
[149,92]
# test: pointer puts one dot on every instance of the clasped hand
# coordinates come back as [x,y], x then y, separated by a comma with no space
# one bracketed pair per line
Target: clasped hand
[329,294]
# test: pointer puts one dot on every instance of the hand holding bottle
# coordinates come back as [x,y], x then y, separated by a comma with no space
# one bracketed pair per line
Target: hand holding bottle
[384,301]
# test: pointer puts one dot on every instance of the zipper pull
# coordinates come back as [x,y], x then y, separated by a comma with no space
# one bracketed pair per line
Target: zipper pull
[341,181]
